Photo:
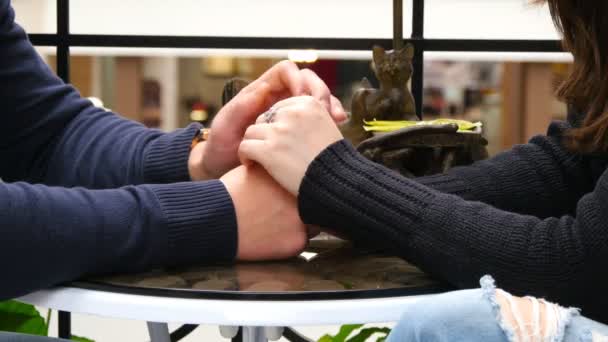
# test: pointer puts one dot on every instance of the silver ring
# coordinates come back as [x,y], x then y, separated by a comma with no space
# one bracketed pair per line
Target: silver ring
[269,115]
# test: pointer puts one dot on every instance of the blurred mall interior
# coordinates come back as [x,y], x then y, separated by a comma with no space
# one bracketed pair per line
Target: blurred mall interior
[511,93]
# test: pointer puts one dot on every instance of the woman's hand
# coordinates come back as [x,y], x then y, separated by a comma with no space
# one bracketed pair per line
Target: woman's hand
[213,158]
[300,129]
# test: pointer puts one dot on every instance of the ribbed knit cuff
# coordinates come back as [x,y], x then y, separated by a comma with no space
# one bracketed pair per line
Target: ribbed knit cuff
[201,222]
[167,158]
[343,190]
[448,183]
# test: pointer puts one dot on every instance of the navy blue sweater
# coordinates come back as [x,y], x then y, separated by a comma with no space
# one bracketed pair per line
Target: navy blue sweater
[535,217]
[60,157]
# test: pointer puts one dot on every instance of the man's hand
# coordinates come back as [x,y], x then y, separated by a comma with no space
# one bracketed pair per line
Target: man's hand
[268,220]
[218,155]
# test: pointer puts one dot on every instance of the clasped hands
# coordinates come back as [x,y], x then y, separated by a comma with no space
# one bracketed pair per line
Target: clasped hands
[263,163]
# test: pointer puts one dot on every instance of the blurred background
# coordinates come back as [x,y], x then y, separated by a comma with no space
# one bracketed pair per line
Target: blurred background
[511,93]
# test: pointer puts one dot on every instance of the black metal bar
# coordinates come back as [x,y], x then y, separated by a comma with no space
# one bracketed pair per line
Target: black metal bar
[64,321]
[418,62]
[63,41]
[227,42]
[397,24]
[292,335]
[418,80]
[239,336]
[183,331]
[44,39]
[418,19]
[347,44]
[474,45]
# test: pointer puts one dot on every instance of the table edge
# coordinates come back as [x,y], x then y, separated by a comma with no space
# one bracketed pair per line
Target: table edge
[221,312]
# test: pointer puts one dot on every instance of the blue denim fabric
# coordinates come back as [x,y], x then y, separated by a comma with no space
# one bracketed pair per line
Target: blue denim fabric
[471,316]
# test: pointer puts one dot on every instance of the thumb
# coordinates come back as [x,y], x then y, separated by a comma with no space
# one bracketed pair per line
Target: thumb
[337,111]
[247,107]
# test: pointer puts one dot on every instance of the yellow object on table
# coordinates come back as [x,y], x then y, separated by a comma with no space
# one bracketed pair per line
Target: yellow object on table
[390,126]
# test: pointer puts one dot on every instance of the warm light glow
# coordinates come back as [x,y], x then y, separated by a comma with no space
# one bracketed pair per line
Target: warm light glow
[221,66]
[199,115]
[96,102]
[308,255]
[303,56]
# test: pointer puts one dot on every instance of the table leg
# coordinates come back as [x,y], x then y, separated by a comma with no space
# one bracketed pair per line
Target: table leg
[254,334]
[229,332]
[64,322]
[159,332]
[274,333]
[239,336]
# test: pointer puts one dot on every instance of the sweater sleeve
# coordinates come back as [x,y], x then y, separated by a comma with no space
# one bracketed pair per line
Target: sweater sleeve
[54,235]
[456,240]
[540,178]
[49,134]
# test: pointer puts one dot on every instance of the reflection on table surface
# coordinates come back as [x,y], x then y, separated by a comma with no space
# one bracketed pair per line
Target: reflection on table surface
[326,265]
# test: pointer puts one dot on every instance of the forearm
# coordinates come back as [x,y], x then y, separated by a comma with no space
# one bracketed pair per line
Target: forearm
[449,237]
[54,235]
[100,150]
[540,178]
[50,134]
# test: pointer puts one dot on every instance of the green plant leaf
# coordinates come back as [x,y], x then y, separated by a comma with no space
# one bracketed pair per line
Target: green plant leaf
[80,339]
[21,318]
[345,331]
[364,334]
[326,338]
[342,335]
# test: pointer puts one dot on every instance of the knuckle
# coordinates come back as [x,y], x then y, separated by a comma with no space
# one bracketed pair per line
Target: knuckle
[310,101]
[263,86]
[273,144]
[286,64]
[298,112]
[307,72]
[244,147]
[281,129]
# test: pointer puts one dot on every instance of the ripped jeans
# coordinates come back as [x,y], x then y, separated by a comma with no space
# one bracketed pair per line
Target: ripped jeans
[488,314]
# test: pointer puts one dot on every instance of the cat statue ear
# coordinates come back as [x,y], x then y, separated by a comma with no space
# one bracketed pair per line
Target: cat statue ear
[379,53]
[409,51]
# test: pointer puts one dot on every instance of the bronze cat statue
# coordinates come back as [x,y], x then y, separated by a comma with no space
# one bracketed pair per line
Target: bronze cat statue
[392,101]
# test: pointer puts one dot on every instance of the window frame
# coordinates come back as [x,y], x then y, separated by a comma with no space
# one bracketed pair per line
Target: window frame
[63,40]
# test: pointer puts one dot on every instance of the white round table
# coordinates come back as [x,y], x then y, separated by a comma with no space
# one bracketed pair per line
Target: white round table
[332,283]
[261,319]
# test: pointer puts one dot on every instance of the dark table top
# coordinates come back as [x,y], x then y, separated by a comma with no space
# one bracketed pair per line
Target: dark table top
[329,269]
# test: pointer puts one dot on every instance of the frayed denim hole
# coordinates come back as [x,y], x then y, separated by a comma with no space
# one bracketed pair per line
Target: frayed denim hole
[488,288]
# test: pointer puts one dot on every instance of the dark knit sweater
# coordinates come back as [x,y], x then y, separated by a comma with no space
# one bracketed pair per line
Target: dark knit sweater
[535,217]
[57,232]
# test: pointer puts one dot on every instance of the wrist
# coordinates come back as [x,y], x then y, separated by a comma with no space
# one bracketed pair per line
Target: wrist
[233,183]
[196,164]
[166,158]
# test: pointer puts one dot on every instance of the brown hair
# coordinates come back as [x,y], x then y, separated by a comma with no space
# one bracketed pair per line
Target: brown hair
[584,27]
